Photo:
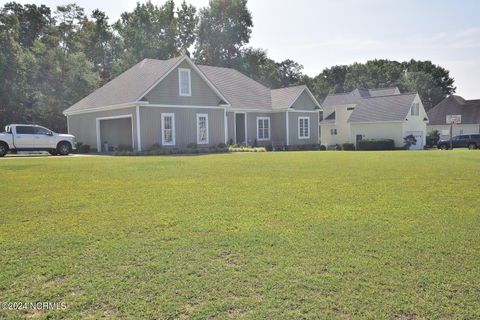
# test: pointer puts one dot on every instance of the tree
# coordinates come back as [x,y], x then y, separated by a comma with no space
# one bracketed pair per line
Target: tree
[289,72]
[425,85]
[187,22]
[225,27]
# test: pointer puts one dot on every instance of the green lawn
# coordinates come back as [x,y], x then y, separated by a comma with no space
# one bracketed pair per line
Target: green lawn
[377,235]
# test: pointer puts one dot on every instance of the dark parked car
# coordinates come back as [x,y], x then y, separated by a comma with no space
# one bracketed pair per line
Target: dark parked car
[470,141]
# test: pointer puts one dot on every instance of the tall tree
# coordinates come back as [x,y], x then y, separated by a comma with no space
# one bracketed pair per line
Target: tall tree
[225,27]
[187,22]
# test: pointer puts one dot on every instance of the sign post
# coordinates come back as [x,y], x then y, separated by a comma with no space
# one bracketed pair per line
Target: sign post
[453,119]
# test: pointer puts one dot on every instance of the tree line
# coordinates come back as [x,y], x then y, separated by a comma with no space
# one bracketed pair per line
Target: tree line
[51,58]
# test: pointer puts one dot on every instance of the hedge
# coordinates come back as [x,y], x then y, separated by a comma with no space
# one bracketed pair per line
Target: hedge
[376,144]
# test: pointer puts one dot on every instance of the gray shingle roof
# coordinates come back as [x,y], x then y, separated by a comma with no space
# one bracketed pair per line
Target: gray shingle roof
[284,97]
[384,108]
[340,99]
[356,95]
[240,90]
[128,86]
[469,109]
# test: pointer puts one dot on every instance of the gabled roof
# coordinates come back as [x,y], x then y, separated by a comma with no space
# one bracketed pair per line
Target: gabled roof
[356,95]
[284,98]
[128,86]
[240,90]
[235,89]
[383,108]
[453,105]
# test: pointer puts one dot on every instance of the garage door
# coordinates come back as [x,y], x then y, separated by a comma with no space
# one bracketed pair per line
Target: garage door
[419,137]
[116,132]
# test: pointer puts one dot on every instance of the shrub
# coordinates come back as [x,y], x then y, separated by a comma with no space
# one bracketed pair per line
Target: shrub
[409,141]
[230,142]
[304,147]
[83,148]
[376,144]
[348,146]
[323,148]
[122,147]
[155,147]
[222,145]
[246,149]
[192,145]
[432,138]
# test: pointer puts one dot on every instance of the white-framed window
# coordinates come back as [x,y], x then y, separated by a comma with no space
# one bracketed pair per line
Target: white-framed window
[263,128]
[333,132]
[168,129]
[202,128]
[303,127]
[415,110]
[184,82]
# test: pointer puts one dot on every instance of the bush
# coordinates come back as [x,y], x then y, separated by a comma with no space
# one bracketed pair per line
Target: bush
[222,145]
[323,148]
[122,147]
[348,146]
[155,147]
[192,145]
[409,141]
[304,147]
[246,149]
[432,138]
[83,148]
[376,144]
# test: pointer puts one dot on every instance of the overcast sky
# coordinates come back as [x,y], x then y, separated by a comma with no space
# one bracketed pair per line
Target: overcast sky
[321,34]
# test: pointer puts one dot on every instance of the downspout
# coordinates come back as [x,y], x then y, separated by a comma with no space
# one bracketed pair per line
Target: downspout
[287,128]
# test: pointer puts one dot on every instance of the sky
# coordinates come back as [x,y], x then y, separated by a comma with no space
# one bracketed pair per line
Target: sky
[319,34]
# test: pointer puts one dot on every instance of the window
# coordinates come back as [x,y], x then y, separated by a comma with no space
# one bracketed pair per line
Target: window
[42,131]
[303,127]
[184,85]
[333,132]
[415,110]
[25,130]
[168,129]
[202,128]
[263,128]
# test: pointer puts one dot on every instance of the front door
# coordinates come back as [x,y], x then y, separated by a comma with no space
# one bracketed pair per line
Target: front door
[240,128]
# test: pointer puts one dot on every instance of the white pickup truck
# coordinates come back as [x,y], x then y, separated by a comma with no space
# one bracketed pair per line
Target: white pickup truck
[25,137]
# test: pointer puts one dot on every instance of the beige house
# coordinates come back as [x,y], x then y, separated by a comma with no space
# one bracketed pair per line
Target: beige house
[373,114]
[468,110]
[174,103]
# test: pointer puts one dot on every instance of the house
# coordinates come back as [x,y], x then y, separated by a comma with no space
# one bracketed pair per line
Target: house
[468,110]
[176,103]
[373,114]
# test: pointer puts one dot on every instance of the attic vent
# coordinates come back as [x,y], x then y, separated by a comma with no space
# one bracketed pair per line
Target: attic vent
[350,108]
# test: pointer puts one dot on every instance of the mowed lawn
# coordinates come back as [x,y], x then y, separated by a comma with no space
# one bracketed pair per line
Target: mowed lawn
[376,235]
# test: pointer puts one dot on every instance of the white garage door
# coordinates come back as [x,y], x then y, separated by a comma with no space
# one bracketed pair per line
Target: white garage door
[419,137]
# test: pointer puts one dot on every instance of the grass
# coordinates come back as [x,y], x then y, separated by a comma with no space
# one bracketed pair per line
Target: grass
[378,235]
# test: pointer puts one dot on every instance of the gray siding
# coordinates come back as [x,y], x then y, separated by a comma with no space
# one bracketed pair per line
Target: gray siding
[84,126]
[166,92]
[279,125]
[252,128]
[304,102]
[185,126]
[293,127]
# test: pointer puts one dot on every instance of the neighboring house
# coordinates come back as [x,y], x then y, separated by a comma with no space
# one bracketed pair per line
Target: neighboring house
[175,103]
[373,114]
[469,110]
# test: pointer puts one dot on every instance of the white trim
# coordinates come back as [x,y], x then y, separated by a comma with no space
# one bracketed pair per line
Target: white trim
[198,128]
[318,127]
[311,97]
[287,127]
[189,94]
[106,108]
[235,125]
[184,106]
[371,122]
[68,125]
[303,118]
[269,130]
[99,142]
[163,116]
[226,125]
[139,141]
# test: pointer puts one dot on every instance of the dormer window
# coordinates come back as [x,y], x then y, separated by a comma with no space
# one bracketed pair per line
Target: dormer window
[415,110]
[184,82]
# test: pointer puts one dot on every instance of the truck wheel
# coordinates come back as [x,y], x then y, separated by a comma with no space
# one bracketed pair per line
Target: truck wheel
[64,148]
[3,149]
[472,146]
